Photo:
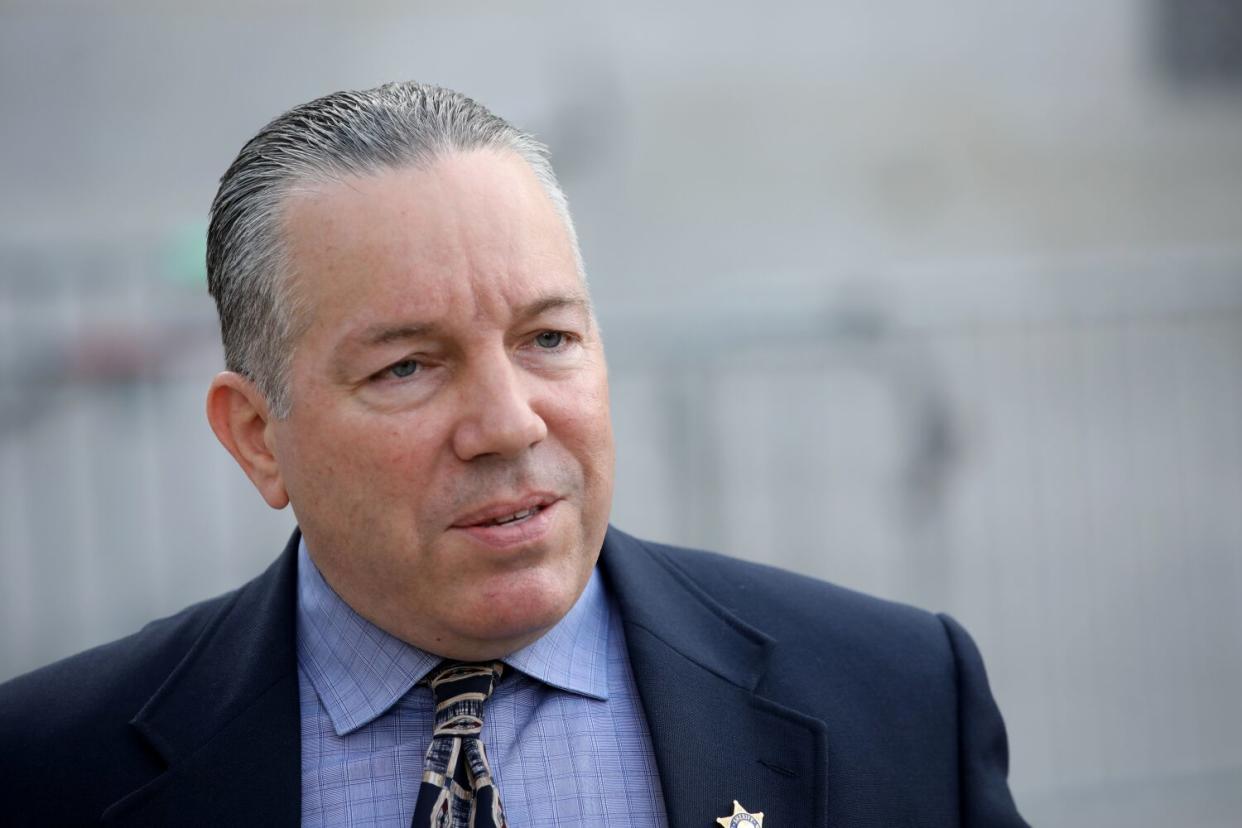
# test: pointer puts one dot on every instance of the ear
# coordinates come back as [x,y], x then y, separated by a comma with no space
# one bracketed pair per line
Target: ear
[239,416]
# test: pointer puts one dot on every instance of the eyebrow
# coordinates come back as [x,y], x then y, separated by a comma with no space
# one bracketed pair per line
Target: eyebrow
[549,303]
[385,333]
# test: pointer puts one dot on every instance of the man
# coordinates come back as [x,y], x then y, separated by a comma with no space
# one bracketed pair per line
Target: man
[415,367]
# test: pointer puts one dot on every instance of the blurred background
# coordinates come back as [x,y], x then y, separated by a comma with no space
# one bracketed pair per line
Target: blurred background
[943,303]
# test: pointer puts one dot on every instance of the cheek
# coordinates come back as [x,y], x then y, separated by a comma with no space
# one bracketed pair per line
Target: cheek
[597,419]
[395,459]
[353,459]
[582,419]
[584,426]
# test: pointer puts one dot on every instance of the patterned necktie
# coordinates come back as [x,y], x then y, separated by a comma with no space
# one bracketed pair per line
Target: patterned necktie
[457,789]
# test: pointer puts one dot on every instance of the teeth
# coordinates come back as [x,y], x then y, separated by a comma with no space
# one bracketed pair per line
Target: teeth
[525,513]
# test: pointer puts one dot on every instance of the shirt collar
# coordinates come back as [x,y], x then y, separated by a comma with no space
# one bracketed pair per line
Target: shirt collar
[360,671]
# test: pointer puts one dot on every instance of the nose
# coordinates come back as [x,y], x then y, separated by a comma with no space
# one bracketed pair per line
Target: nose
[497,416]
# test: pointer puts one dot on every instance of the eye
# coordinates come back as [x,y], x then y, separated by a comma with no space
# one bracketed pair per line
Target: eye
[402,369]
[550,339]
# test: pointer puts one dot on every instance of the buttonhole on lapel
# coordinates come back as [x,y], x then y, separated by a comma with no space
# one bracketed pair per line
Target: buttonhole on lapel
[778,769]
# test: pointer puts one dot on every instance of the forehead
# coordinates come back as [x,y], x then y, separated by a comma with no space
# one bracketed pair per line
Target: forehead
[469,228]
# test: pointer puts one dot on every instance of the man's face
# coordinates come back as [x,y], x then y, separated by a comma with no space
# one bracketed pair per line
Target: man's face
[449,450]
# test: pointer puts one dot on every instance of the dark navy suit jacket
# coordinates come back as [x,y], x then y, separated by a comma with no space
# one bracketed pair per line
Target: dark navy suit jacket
[811,703]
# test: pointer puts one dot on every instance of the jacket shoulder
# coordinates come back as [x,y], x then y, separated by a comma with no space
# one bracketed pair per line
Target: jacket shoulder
[74,714]
[902,691]
[133,665]
[784,604]
[845,641]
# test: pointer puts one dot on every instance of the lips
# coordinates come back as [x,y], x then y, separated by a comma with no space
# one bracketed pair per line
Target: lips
[512,525]
[506,512]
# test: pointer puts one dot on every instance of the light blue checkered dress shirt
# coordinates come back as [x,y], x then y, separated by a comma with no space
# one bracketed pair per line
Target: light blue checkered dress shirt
[564,733]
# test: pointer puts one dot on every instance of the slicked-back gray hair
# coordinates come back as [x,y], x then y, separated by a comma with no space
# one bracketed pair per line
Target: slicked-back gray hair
[394,126]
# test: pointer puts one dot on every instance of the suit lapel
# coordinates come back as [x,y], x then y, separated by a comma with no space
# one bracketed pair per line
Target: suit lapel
[697,666]
[226,721]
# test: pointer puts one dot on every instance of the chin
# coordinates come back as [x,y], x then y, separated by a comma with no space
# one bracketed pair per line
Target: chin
[524,609]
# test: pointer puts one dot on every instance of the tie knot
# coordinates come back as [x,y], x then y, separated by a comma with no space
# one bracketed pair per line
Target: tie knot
[460,689]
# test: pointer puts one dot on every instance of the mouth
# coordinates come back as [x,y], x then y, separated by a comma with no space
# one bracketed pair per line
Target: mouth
[506,513]
[516,517]
[511,525]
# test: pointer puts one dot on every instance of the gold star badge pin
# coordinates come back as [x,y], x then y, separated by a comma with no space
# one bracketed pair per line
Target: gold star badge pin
[741,817]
